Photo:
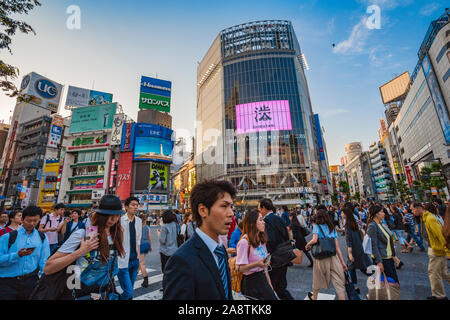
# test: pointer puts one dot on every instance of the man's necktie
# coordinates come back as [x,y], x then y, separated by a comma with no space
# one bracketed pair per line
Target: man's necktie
[222,255]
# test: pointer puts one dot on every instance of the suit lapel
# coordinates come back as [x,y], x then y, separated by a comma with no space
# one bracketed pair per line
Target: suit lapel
[210,263]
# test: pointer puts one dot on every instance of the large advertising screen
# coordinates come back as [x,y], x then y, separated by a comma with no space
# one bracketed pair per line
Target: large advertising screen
[80,97]
[155,94]
[396,88]
[43,91]
[439,103]
[263,116]
[158,177]
[92,118]
[153,143]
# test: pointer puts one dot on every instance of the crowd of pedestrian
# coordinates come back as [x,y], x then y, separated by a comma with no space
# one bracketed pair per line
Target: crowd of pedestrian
[214,251]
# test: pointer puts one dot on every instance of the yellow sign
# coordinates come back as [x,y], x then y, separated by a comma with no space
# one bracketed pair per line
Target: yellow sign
[48,184]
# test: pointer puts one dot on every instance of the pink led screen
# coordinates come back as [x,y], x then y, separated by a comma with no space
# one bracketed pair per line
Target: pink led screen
[263,116]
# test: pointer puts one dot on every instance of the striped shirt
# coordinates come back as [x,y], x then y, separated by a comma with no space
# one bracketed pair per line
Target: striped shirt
[409,218]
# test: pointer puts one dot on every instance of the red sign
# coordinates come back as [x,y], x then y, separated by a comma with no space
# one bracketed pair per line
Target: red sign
[409,176]
[99,183]
[124,175]
[127,142]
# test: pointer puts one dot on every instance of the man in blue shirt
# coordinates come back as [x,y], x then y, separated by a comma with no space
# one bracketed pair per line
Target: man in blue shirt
[24,259]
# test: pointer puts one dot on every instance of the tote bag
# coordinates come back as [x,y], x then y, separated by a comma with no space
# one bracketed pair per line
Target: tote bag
[324,248]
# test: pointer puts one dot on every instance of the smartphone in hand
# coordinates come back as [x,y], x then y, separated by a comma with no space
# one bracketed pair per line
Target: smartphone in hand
[90,231]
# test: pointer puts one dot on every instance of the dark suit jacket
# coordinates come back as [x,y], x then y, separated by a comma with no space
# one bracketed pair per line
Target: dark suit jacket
[192,274]
[276,231]
[379,242]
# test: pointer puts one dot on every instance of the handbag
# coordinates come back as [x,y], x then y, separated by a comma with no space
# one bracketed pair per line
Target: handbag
[283,254]
[385,290]
[324,247]
[367,244]
[350,288]
[53,287]
[304,231]
[180,237]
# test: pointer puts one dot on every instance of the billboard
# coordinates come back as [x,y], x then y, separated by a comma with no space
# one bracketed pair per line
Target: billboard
[319,138]
[48,183]
[43,91]
[158,177]
[92,118]
[153,143]
[155,94]
[116,136]
[127,141]
[56,131]
[439,103]
[124,172]
[79,97]
[263,116]
[396,88]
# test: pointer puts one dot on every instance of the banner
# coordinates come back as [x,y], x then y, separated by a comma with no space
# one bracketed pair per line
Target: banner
[92,118]
[409,176]
[439,103]
[56,130]
[124,175]
[263,116]
[49,182]
[79,97]
[158,177]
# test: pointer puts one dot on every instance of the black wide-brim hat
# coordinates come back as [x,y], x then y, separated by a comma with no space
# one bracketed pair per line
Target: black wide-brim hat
[110,205]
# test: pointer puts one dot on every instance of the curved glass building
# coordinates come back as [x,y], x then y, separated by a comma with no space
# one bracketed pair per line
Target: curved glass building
[255,124]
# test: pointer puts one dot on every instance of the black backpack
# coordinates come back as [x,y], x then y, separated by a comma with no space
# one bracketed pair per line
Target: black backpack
[13,237]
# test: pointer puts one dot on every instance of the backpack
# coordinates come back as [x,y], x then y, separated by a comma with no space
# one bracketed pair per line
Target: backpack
[48,219]
[236,276]
[13,237]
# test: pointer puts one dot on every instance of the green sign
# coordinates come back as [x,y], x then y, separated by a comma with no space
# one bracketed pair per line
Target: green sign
[151,101]
[86,141]
[93,118]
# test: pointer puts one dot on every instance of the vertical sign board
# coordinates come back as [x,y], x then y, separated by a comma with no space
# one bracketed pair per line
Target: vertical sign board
[319,138]
[8,150]
[124,174]
[116,135]
[127,143]
[409,176]
[439,102]
[56,131]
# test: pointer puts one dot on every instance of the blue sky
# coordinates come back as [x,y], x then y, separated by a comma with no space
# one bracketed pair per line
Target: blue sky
[121,40]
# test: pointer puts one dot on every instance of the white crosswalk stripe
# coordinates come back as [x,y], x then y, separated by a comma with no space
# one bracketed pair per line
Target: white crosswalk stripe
[154,295]
[138,283]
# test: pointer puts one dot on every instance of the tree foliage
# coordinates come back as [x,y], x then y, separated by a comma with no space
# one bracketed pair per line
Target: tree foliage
[9,27]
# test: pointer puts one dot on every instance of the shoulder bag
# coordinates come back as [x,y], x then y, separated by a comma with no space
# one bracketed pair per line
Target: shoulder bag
[324,247]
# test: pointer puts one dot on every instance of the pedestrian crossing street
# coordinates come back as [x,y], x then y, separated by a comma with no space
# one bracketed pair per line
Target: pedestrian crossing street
[152,292]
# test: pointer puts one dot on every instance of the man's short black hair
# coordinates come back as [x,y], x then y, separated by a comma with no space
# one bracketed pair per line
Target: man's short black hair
[129,199]
[417,205]
[60,206]
[3,213]
[322,207]
[266,203]
[207,193]
[32,211]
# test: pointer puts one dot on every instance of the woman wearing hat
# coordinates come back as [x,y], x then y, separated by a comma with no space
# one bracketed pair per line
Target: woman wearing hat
[85,249]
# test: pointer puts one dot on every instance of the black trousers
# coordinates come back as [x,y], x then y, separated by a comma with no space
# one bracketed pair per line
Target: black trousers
[164,260]
[14,289]
[279,282]
[256,286]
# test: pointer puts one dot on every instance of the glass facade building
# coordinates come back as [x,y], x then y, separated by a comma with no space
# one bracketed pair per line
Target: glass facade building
[253,73]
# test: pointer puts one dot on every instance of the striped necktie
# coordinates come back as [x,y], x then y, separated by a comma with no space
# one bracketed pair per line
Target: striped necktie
[222,254]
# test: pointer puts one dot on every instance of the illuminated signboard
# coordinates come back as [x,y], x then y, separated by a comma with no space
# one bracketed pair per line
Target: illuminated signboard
[263,116]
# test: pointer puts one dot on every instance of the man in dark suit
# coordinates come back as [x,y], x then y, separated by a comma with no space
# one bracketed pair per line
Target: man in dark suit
[199,268]
[276,234]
